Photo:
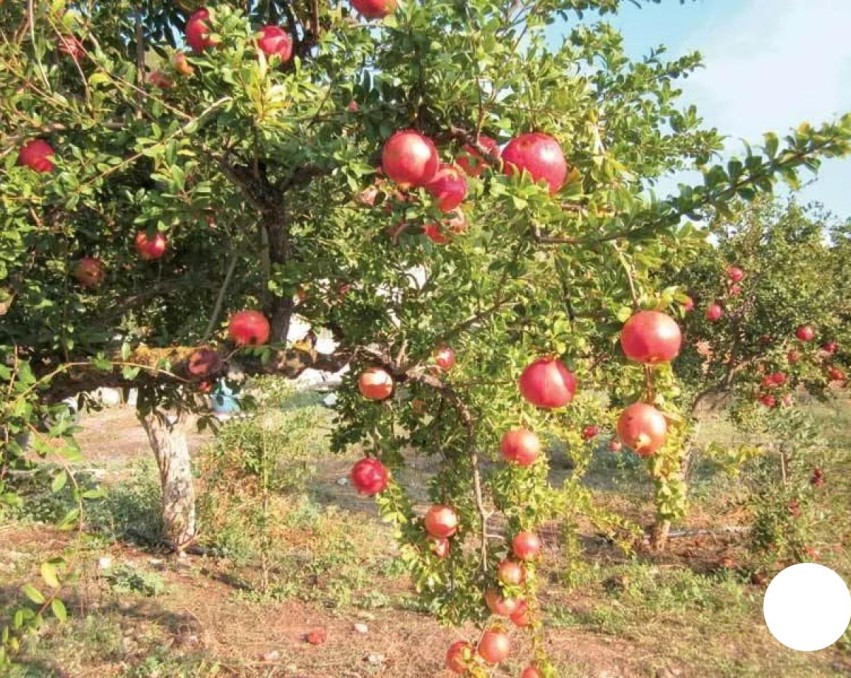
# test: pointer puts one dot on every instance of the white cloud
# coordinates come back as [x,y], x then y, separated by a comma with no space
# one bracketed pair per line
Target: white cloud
[771,64]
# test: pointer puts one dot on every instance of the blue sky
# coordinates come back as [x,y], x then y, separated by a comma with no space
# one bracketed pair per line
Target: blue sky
[769,65]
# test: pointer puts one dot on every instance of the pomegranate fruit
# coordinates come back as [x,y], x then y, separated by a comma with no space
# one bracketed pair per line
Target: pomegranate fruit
[547,383]
[651,337]
[198,31]
[409,158]
[374,9]
[642,428]
[203,362]
[538,154]
[448,187]
[275,41]
[499,605]
[472,162]
[805,333]
[89,272]
[526,545]
[441,521]
[444,358]
[36,154]
[369,476]
[735,274]
[459,656]
[494,646]
[150,248]
[511,573]
[249,328]
[375,383]
[520,446]
[714,312]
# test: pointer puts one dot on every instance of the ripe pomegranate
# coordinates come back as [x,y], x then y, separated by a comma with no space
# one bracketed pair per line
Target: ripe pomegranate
[89,272]
[590,432]
[735,290]
[829,347]
[511,573]
[817,478]
[374,9]
[409,158]
[448,187]
[520,617]
[499,605]
[369,476]
[526,546]
[794,508]
[651,337]
[778,378]
[36,154]
[642,428]
[768,400]
[160,80]
[441,521]
[150,248]
[494,645]
[735,274]
[249,328]
[538,154]
[805,333]
[793,356]
[459,656]
[440,547]
[714,312]
[275,41]
[375,383]
[547,383]
[439,233]
[615,445]
[835,374]
[198,31]
[531,672]
[203,362]
[520,446]
[444,358]
[472,162]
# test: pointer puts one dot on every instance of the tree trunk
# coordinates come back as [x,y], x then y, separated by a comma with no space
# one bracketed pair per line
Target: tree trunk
[167,436]
[280,309]
[659,535]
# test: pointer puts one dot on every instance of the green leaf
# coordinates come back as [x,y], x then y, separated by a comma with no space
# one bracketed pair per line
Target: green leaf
[33,594]
[59,610]
[59,481]
[48,573]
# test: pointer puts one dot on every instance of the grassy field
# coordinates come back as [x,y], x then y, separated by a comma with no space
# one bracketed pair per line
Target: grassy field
[310,555]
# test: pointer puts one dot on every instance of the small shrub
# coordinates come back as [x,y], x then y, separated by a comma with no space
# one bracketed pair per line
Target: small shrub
[129,579]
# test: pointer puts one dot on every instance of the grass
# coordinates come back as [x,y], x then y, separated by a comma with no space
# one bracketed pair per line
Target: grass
[329,563]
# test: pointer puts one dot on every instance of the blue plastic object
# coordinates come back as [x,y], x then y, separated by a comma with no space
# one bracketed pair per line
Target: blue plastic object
[223,399]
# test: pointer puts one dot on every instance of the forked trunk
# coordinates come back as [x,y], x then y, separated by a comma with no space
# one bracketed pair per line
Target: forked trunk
[167,436]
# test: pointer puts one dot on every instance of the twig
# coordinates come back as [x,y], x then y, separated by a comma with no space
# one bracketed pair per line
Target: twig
[217,309]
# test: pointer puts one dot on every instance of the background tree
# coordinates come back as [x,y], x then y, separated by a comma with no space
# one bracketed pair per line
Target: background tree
[256,161]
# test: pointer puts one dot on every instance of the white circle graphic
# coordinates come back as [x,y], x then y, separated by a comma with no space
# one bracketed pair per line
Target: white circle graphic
[807,607]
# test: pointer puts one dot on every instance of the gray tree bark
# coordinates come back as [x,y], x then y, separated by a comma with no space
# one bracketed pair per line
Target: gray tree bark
[167,436]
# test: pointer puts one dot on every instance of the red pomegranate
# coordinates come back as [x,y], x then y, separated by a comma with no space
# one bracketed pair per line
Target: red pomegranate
[36,154]
[409,158]
[374,9]
[547,383]
[642,428]
[444,358]
[735,274]
[526,545]
[520,446]
[494,646]
[375,383]
[198,31]
[499,605]
[249,328]
[521,617]
[448,187]
[150,248]
[440,547]
[275,41]
[714,312]
[439,234]
[472,162]
[459,656]
[805,333]
[538,154]
[440,521]
[651,337]
[89,272]
[203,362]
[369,476]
